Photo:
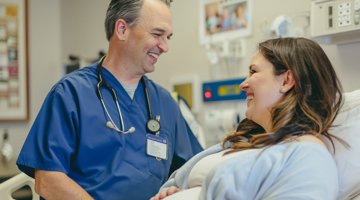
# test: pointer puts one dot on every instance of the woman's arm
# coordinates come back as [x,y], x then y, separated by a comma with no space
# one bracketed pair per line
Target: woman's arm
[165,192]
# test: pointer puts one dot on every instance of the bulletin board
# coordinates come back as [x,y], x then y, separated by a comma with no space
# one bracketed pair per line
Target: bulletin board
[13,60]
[222,20]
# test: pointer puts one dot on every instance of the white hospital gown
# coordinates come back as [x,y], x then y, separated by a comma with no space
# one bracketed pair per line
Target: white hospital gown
[294,170]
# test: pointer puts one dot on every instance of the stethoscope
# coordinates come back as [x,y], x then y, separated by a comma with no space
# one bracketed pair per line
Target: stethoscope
[152,125]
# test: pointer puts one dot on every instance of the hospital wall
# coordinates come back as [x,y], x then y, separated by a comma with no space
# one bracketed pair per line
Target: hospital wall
[188,56]
[43,70]
[58,28]
[82,33]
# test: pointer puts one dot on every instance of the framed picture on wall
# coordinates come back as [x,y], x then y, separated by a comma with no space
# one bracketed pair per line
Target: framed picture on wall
[13,60]
[224,20]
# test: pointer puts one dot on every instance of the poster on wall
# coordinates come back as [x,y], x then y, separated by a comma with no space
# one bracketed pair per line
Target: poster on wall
[224,20]
[13,60]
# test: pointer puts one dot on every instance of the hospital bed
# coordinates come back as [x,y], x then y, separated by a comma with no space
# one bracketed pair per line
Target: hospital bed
[347,127]
[8,187]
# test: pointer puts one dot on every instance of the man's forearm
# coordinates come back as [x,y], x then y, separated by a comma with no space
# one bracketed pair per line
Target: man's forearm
[57,185]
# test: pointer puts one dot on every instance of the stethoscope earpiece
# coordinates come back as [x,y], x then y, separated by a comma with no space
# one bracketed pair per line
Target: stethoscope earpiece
[131,129]
[109,124]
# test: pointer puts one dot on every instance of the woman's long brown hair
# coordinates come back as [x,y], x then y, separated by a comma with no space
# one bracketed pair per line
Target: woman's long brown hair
[310,107]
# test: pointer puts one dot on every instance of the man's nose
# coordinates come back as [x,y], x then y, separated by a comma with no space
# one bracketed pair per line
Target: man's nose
[164,44]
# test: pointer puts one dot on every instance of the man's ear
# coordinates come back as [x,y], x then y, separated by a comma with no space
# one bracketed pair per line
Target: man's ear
[288,81]
[121,29]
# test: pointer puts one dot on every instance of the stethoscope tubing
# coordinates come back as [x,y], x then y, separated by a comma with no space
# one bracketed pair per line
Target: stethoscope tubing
[102,82]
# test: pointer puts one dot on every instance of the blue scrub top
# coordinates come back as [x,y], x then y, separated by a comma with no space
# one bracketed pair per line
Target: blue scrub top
[69,135]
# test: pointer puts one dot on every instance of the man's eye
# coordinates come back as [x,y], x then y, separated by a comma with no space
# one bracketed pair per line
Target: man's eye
[156,34]
[251,72]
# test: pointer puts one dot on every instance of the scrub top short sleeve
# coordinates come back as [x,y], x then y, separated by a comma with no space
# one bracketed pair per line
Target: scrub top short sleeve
[51,142]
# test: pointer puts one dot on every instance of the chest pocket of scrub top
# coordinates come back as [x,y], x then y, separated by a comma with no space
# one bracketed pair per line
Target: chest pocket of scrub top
[160,168]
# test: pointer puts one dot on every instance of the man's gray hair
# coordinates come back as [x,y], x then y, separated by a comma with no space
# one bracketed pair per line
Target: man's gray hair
[129,10]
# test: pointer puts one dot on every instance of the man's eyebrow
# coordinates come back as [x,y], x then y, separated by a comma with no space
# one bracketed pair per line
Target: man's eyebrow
[159,30]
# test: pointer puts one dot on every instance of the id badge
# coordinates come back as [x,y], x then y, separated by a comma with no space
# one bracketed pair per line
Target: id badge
[156,146]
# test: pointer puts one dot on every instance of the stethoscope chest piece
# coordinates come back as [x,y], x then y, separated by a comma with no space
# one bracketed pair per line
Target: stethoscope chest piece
[153,125]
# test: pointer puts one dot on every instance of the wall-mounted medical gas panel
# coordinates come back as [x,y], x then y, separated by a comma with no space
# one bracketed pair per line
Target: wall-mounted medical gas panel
[223,90]
[335,21]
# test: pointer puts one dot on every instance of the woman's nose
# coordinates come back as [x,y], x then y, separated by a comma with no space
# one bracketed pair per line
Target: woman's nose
[244,85]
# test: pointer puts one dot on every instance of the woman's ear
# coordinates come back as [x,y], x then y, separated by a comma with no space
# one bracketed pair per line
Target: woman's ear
[288,81]
[121,29]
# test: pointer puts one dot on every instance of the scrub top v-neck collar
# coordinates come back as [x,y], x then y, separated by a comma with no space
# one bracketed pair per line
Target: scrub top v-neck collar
[120,90]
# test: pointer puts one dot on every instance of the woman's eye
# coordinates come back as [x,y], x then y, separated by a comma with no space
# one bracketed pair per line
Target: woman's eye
[251,71]
[157,34]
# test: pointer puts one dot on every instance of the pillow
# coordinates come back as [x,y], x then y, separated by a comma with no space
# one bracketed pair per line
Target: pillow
[347,127]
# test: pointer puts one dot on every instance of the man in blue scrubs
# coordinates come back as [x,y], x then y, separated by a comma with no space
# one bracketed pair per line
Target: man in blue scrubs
[97,134]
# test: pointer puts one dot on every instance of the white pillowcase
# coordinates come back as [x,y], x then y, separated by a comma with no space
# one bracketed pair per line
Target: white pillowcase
[347,127]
